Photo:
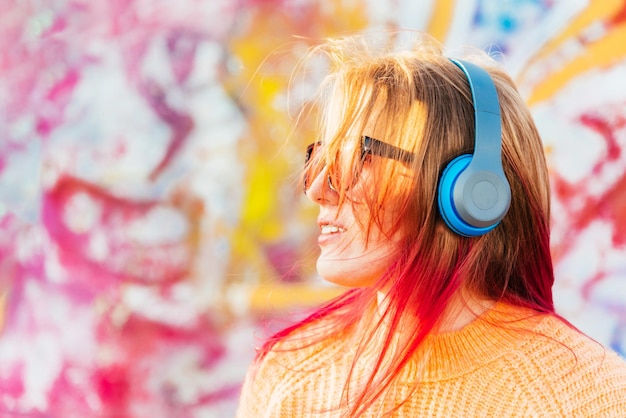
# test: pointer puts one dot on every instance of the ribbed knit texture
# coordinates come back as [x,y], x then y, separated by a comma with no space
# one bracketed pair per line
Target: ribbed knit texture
[503,364]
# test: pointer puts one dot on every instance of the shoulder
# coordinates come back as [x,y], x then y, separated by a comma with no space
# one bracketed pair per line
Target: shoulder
[583,376]
[301,349]
[285,369]
[555,338]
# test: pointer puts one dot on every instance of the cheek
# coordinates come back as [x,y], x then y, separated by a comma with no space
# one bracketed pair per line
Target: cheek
[388,230]
[360,263]
[390,204]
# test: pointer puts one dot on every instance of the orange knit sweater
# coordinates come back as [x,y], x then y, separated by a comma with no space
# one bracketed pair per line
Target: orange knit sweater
[497,366]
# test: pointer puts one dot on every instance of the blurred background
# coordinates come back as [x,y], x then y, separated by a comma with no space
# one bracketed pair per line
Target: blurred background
[152,230]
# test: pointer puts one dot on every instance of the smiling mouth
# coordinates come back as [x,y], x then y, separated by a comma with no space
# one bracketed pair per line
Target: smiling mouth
[330,229]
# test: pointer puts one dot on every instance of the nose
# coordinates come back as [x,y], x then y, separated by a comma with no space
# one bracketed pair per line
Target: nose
[320,192]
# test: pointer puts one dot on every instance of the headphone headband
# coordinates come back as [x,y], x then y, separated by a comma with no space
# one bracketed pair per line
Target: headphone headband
[487,128]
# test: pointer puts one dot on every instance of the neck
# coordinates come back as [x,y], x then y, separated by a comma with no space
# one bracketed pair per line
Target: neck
[464,307]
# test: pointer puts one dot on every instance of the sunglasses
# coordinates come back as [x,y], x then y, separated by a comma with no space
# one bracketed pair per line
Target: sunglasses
[367,147]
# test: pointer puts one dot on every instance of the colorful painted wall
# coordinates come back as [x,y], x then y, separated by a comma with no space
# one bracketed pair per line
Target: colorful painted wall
[150,219]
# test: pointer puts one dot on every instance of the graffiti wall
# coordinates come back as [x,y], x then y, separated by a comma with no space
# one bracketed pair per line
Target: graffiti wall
[150,219]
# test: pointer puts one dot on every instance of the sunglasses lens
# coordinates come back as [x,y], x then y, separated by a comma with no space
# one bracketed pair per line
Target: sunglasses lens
[309,152]
[336,176]
[311,168]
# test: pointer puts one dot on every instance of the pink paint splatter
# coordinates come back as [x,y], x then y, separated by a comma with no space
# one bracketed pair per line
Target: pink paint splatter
[609,206]
[180,123]
[118,256]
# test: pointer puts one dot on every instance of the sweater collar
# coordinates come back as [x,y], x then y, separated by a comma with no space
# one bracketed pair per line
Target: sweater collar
[490,336]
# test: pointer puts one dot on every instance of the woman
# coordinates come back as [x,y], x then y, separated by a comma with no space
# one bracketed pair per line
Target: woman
[446,316]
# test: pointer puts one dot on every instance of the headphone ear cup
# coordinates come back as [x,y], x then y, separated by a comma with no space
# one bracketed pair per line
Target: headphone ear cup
[445,199]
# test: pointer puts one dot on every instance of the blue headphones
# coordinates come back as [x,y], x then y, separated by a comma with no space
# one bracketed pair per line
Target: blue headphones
[474,194]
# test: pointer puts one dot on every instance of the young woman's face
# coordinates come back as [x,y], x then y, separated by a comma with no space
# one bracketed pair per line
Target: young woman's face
[349,257]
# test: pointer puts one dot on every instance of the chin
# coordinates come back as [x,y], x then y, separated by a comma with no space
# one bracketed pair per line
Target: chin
[344,277]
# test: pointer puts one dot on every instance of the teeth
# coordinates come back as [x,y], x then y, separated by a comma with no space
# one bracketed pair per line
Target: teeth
[330,229]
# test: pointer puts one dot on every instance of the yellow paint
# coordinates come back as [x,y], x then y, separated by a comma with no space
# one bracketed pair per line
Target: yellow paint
[596,11]
[262,200]
[441,18]
[604,52]
[610,50]
[272,297]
